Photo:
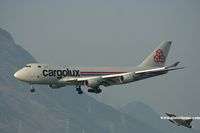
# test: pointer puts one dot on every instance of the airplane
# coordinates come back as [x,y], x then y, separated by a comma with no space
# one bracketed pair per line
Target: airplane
[180,121]
[93,77]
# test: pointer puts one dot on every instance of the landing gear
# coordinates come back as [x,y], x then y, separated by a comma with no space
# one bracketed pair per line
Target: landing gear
[32,88]
[92,90]
[99,90]
[78,89]
[95,90]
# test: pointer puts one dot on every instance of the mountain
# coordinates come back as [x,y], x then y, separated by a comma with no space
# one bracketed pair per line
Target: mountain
[140,111]
[50,111]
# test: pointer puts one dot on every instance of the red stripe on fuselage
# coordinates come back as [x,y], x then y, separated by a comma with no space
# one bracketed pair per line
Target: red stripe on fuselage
[101,72]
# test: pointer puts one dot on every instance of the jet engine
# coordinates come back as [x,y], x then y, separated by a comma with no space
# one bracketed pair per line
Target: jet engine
[93,83]
[127,78]
[55,86]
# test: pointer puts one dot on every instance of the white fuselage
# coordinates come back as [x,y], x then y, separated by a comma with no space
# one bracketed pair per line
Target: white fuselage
[51,74]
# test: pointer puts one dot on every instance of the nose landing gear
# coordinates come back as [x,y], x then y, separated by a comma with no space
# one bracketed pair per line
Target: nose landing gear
[32,88]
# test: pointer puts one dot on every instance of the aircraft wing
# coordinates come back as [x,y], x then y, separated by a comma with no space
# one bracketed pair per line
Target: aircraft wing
[112,79]
[137,75]
[106,80]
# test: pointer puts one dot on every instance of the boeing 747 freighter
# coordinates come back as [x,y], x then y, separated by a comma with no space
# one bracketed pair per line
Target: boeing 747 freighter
[56,76]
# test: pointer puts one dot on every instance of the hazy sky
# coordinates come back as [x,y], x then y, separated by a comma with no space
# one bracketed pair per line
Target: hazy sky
[115,33]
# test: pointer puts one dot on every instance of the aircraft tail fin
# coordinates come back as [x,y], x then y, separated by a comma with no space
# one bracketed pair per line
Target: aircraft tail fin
[158,57]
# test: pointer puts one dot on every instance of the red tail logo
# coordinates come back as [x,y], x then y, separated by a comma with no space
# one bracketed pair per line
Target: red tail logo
[159,56]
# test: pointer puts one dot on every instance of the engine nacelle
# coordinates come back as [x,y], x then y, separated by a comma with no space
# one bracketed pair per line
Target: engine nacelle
[55,86]
[93,83]
[127,78]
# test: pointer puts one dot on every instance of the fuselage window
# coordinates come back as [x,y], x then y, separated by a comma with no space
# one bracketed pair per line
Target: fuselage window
[39,66]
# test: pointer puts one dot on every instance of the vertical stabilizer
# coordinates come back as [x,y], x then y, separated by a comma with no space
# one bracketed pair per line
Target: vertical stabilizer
[158,57]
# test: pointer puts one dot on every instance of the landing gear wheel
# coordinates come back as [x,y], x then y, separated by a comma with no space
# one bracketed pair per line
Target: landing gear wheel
[91,90]
[78,89]
[80,92]
[97,90]
[32,90]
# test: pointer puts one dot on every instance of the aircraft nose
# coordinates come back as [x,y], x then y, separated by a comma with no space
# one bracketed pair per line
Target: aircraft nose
[16,75]
[20,75]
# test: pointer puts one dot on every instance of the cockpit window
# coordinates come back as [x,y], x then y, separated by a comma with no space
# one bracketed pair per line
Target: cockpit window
[28,66]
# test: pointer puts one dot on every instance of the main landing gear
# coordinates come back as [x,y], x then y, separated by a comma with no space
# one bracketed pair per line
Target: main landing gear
[78,89]
[95,90]
[92,90]
[32,88]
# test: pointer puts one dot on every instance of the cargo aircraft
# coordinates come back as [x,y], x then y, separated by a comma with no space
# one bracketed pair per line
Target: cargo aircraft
[56,76]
